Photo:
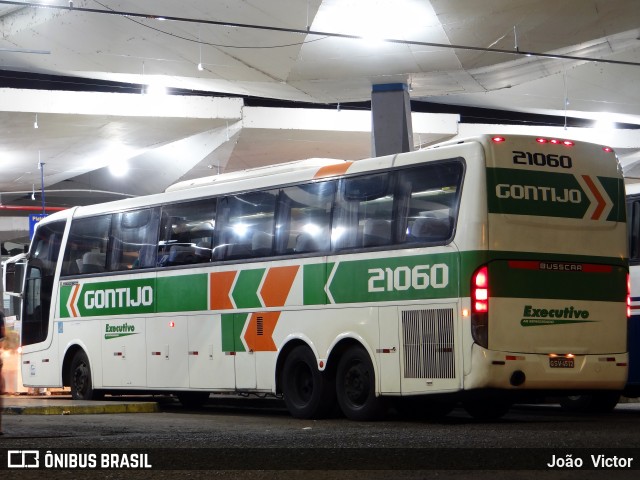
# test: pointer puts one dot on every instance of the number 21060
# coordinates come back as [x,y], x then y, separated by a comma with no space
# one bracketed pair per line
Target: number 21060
[403,278]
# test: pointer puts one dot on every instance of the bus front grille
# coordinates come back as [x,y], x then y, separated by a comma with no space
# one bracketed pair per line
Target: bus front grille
[428,343]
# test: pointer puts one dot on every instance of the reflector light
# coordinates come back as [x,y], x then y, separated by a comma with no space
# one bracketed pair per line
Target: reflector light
[498,139]
[172,324]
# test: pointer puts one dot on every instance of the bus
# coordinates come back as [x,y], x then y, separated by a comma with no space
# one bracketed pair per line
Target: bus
[632,388]
[606,402]
[476,271]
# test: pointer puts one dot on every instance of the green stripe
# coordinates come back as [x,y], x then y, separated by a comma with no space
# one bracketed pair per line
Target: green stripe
[314,278]
[509,282]
[396,278]
[183,293]
[615,189]
[232,325]
[471,260]
[65,292]
[245,291]
[117,297]
[549,194]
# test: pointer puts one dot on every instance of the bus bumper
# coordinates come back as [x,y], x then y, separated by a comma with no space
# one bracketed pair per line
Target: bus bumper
[533,371]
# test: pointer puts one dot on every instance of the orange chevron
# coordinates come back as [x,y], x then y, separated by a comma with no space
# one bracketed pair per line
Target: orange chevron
[259,332]
[277,285]
[596,193]
[333,170]
[220,284]
[74,299]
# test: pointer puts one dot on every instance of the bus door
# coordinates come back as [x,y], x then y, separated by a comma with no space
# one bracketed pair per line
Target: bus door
[38,297]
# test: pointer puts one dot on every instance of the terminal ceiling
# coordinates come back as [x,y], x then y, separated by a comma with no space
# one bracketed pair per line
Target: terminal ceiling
[257,82]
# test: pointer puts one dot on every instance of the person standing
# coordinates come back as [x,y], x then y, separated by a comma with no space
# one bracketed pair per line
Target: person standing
[2,334]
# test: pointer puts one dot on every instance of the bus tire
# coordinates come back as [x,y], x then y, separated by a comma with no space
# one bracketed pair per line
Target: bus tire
[80,379]
[601,402]
[308,392]
[356,386]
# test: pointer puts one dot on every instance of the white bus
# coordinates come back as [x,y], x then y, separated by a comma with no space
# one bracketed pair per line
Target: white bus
[473,271]
[633,208]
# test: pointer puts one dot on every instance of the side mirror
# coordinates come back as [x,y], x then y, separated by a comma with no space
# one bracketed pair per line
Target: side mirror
[13,275]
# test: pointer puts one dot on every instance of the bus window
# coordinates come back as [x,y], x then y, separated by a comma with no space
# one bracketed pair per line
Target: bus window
[134,239]
[364,212]
[431,196]
[43,258]
[304,218]
[247,222]
[186,233]
[86,250]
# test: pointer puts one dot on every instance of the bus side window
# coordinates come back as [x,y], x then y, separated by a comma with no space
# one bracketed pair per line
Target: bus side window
[364,212]
[246,225]
[134,239]
[432,194]
[304,218]
[86,249]
[187,233]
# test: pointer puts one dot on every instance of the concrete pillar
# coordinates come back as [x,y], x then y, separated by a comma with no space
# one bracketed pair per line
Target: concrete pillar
[391,119]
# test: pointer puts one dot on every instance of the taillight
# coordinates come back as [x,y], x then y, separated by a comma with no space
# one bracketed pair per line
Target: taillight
[480,306]
[628,296]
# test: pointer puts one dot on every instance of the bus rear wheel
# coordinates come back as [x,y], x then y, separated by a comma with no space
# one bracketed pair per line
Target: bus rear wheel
[308,392]
[80,379]
[356,386]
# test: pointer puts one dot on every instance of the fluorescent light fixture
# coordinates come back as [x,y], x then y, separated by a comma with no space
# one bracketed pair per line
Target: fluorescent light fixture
[375,20]
[605,121]
[116,157]
[156,90]
[119,167]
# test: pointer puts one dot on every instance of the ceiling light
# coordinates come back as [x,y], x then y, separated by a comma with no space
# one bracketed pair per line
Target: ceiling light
[375,20]
[119,168]
[605,121]
[156,90]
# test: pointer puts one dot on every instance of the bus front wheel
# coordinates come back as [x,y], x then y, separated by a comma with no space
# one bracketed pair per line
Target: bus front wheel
[308,392]
[80,379]
[356,387]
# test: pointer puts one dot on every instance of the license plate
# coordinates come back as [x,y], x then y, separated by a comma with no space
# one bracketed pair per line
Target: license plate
[561,362]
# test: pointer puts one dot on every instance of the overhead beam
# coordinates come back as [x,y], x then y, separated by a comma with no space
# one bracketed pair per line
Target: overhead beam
[120,104]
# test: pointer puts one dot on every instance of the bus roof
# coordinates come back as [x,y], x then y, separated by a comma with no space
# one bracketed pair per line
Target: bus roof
[295,166]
